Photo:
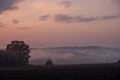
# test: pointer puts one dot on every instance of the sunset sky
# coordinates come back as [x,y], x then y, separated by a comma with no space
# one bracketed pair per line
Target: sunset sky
[43,23]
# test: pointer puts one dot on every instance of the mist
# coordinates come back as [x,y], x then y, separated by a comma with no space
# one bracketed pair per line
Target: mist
[75,55]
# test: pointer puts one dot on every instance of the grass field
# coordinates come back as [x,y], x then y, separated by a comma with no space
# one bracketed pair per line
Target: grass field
[62,72]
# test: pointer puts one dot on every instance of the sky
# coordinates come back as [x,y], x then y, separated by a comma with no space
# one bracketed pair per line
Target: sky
[43,23]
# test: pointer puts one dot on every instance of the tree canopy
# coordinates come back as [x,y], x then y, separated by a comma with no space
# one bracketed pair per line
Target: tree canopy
[16,53]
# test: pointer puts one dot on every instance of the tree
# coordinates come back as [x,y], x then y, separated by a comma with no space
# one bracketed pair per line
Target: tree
[16,53]
[20,51]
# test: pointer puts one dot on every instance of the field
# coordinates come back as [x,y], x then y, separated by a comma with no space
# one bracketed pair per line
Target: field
[62,72]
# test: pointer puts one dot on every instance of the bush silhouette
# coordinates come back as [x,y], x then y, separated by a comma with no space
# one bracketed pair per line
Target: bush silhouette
[118,61]
[49,62]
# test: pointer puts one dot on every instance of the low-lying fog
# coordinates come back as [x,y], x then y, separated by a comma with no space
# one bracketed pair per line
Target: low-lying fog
[75,55]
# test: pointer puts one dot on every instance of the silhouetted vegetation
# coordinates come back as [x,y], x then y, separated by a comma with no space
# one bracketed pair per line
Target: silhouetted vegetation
[118,61]
[49,62]
[16,53]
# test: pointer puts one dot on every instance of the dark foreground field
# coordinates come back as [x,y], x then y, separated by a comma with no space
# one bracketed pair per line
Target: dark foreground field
[62,72]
